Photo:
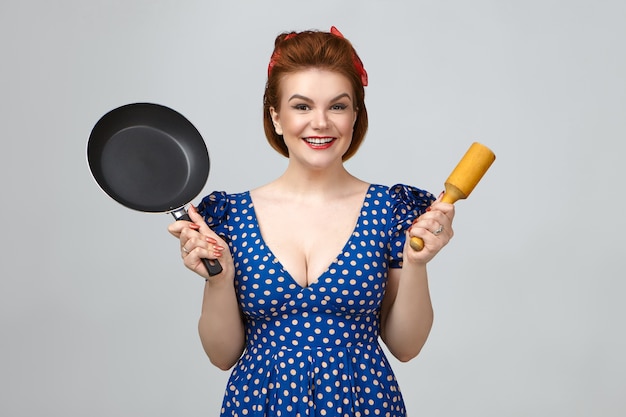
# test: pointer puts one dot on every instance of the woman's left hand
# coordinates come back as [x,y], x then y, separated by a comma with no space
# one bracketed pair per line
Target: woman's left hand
[434,227]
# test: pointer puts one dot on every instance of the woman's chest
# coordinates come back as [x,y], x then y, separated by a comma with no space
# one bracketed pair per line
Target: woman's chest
[307,238]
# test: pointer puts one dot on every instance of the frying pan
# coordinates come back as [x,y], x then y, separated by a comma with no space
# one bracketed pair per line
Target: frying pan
[150,158]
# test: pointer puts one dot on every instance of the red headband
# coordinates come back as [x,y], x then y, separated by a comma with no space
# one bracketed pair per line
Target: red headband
[358,64]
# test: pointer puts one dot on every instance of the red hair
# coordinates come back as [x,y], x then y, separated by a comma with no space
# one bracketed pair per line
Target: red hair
[295,52]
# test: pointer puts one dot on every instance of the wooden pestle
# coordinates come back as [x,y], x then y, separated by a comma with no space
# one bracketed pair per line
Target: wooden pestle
[463,179]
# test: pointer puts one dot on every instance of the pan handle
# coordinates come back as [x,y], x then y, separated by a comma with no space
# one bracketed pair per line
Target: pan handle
[212,265]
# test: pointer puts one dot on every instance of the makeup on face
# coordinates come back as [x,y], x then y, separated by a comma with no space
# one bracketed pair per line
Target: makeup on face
[317,110]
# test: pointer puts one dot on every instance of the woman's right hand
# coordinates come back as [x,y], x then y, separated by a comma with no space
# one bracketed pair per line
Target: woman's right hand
[220,326]
[197,242]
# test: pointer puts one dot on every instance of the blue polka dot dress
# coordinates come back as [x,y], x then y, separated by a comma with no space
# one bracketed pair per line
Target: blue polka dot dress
[314,351]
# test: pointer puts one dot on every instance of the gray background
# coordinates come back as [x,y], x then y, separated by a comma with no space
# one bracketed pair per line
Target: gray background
[98,315]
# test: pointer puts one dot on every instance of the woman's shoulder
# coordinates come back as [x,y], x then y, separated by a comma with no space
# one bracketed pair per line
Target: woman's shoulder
[404,201]
[217,207]
[402,193]
[218,203]
[402,204]
[216,197]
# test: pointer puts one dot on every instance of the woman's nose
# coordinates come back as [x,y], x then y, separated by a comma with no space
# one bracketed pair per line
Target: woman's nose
[320,120]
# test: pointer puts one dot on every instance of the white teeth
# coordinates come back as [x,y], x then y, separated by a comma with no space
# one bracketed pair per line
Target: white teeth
[318,141]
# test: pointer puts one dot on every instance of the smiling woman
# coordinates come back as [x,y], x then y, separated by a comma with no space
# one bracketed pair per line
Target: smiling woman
[316,112]
[308,50]
[316,267]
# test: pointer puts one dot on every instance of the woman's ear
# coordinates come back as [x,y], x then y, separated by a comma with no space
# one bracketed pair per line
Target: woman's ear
[275,119]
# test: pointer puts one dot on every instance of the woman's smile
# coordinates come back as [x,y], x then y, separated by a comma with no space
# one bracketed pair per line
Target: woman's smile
[319,142]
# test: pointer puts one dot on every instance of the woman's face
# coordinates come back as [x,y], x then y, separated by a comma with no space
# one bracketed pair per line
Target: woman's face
[316,117]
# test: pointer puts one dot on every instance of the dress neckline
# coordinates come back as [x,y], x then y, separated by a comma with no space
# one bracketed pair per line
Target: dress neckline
[276,260]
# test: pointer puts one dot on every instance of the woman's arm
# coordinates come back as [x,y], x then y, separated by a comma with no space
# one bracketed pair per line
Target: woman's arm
[220,326]
[406,312]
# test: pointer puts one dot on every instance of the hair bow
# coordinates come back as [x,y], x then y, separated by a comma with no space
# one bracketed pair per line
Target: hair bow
[358,64]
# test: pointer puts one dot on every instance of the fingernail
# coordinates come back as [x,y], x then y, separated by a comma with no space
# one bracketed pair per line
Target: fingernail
[211,240]
[218,248]
[194,226]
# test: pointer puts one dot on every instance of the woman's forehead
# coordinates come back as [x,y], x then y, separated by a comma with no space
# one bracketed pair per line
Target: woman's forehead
[315,82]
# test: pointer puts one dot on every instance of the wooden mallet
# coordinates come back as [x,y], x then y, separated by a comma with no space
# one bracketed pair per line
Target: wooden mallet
[463,179]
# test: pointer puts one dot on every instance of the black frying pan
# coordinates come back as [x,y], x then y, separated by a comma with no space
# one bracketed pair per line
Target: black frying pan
[150,158]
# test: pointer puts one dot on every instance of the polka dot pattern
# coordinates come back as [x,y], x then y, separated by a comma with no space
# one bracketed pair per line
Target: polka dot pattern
[314,351]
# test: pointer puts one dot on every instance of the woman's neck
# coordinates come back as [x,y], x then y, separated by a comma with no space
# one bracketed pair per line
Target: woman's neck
[316,184]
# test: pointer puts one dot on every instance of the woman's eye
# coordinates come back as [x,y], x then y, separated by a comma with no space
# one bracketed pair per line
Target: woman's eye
[339,107]
[301,107]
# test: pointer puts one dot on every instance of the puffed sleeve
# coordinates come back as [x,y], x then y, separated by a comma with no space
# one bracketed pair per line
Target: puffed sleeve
[407,203]
[214,209]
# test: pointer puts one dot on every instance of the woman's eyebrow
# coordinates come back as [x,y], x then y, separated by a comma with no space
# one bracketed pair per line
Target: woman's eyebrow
[299,97]
[304,98]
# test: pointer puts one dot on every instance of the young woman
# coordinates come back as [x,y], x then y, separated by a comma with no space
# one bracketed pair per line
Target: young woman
[316,264]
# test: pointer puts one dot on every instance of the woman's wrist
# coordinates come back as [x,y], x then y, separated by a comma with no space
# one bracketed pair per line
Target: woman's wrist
[218,281]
